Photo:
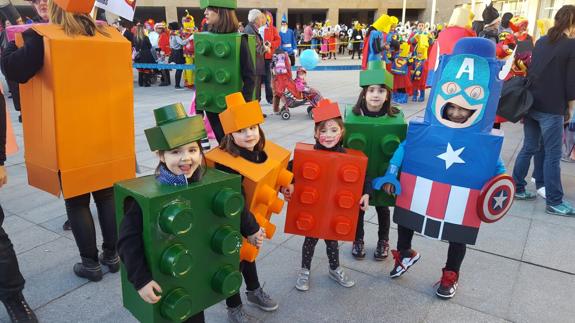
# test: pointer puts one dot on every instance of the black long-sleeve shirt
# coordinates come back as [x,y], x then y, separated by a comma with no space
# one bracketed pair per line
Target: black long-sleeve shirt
[21,64]
[553,88]
[131,243]
[2,129]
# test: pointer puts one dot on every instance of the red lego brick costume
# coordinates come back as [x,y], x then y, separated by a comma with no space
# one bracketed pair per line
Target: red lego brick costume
[328,187]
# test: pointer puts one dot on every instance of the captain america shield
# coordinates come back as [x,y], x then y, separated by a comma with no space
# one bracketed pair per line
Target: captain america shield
[495,198]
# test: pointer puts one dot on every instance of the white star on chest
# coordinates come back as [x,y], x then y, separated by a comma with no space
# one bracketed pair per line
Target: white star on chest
[499,200]
[451,157]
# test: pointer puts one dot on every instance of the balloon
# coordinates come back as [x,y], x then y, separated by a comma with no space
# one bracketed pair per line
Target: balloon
[309,59]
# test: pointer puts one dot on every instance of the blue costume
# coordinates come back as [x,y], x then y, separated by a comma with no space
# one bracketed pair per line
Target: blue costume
[288,41]
[375,46]
[447,166]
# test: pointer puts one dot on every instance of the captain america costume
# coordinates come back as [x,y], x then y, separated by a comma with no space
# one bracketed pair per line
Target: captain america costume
[446,165]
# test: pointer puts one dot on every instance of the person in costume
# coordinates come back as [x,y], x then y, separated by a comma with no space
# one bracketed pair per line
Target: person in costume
[288,41]
[421,42]
[374,105]
[324,47]
[179,165]
[309,93]
[282,76]
[177,43]
[77,29]
[491,21]
[332,44]
[245,140]
[400,69]
[11,280]
[374,42]
[459,26]
[271,36]
[222,24]
[164,52]
[328,133]
[444,192]
[356,39]
[188,30]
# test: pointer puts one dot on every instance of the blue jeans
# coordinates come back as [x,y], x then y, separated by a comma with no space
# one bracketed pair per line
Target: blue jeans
[545,128]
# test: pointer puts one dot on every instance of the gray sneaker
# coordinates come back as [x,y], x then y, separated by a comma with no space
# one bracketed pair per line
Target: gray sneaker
[341,277]
[302,282]
[262,300]
[237,315]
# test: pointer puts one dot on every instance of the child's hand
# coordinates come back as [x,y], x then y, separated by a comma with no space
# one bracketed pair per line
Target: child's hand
[389,188]
[287,192]
[257,239]
[364,202]
[148,292]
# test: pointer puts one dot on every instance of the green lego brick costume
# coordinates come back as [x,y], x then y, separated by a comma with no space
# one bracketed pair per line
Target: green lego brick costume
[217,59]
[190,233]
[377,137]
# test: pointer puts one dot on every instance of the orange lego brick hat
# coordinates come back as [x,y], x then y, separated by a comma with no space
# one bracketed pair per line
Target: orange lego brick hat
[326,110]
[76,6]
[239,114]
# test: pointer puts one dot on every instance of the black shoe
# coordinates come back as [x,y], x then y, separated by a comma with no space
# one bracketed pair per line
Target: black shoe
[88,269]
[19,310]
[382,250]
[66,226]
[177,87]
[110,259]
[164,84]
[358,249]
[20,118]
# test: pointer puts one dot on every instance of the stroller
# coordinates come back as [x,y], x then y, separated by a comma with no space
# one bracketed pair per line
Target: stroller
[297,93]
[290,93]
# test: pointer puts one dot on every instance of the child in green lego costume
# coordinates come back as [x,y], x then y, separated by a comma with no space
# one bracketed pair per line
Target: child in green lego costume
[217,75]
[181,163]
[373,106]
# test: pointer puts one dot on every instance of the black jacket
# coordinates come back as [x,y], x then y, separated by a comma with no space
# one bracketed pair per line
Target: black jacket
[260,51]
[144,51]
[21,64]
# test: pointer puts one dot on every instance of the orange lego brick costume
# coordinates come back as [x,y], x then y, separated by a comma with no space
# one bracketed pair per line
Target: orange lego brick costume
[262,181]
[79,137]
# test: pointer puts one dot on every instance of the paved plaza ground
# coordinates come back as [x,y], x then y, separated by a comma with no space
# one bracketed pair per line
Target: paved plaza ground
[521,270]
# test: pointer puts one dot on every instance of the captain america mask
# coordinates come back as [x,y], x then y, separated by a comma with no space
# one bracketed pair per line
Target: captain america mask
[464,83]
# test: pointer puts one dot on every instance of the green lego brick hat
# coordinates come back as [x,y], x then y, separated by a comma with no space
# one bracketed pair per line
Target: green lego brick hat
[230,4]
[375,74]
[174,128]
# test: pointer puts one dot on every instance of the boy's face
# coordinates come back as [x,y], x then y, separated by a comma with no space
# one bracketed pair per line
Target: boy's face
[329,135]
[183,160]
[247,138]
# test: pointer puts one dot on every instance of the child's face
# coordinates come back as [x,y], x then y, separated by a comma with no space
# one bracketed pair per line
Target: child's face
[329,135]
[183,160]
[302,75]
[247,138]
[375,96]
[457,114]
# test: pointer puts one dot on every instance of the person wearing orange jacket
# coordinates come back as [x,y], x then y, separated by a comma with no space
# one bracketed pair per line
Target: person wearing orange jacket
[271,36]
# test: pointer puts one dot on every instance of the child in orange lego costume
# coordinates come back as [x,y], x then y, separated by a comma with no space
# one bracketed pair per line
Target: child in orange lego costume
[328,133]
[244,150]
[78,138]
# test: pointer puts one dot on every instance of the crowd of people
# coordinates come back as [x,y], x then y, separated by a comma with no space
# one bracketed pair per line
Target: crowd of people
[395,62]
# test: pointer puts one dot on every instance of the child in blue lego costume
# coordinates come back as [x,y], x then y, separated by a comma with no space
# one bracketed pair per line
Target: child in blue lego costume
[452,178]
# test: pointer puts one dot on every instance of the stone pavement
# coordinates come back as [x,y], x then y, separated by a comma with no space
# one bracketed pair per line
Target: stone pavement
[521,269]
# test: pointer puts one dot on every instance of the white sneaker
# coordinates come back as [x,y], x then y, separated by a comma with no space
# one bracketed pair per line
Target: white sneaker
[302,282]
[541,192]
[341,277]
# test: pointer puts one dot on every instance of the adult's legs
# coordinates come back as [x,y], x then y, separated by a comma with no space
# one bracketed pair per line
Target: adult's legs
[78,210]
[538,160]
[178,78]
[531,145]
[11,280]
[268,82]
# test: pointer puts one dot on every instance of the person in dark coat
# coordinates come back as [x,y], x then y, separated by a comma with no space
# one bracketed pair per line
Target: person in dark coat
[256,19]
[143,50]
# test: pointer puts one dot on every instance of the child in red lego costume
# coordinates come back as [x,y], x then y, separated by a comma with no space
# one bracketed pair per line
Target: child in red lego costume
[375,101]
[178,166]
[247,143]
[281,74]
[328,133]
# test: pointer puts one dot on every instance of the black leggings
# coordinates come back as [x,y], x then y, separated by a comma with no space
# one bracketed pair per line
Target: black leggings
[455,253]
[382,220]
[82,223]
[216,125]
[308,248]
[11,280]
[250,273]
